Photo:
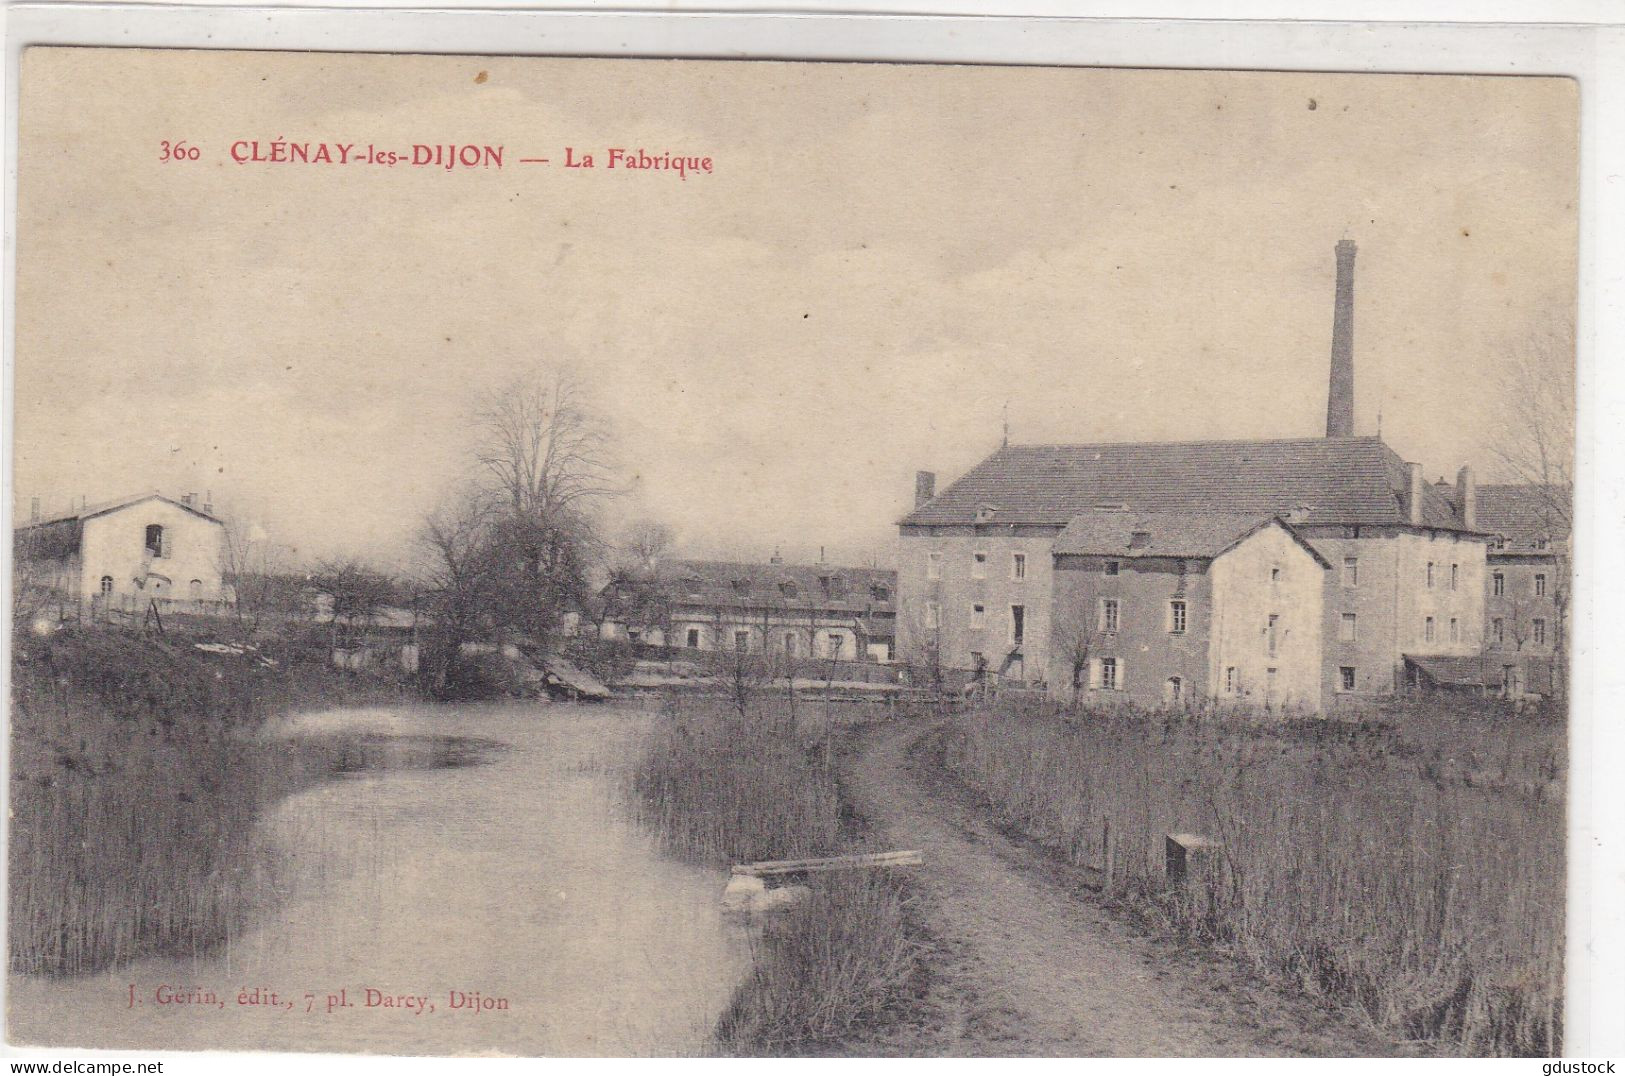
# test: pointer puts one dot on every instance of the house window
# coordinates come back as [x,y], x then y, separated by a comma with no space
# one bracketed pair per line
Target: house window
[1230,680]
[978,565]
[1351,571]
[107,584]
[1018,566]
[1430,575]
[1346,678]
[1173,691]
[155,540]
[693,638]
[1275,575]
[1111,567]
[933,566]
[195,587]
[978,616]
[790,643]
[1018,623]
[978,664]
[1348,630]
[1108,673]
[1540,632]
[1498,584]
[741,641]
[1270,630]
[1540,584]
[1498,630]
[933,615]
[1427,630]
[835,643]
[1455,630]
[1455,571]
[1176,617]
[1108,615]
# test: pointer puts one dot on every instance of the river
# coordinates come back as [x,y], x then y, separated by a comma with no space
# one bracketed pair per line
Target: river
[520,885]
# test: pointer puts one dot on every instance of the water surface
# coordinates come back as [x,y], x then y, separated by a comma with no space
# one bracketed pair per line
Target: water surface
[508,872]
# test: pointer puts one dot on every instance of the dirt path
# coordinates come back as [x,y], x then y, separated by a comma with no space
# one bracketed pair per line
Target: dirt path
[1028,966]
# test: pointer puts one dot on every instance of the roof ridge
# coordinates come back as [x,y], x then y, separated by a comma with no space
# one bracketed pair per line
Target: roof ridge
[1199,441]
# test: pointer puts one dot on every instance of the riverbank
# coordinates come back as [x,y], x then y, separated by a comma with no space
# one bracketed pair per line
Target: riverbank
[722,784]
[137,777]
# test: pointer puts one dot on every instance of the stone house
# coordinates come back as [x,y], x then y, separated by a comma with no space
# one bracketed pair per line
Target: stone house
[1165,608]
[125,556]
[1527,584]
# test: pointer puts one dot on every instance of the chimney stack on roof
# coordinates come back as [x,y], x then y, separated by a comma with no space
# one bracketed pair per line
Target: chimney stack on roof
[1340,395]
[186,499]
[1413,503]
[925,487]
[1467,497]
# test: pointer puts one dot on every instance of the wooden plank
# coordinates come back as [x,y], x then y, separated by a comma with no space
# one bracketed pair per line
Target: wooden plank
[831,863]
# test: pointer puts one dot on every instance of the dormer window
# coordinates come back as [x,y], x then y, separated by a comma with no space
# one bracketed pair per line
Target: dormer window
[788,588]
[1543,543]
[985,513]
[155,540]
[1139,539]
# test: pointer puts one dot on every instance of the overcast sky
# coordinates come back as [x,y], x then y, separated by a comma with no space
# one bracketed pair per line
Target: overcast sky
[882,260]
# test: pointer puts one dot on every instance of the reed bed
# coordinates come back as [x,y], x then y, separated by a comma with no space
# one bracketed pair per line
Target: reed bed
[720,784]
[136,784]
[1409,867]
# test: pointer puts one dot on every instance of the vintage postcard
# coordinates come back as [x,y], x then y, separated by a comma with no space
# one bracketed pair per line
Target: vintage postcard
[521,556]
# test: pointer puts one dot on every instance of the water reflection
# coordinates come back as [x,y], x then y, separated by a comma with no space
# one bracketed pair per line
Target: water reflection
[466,857]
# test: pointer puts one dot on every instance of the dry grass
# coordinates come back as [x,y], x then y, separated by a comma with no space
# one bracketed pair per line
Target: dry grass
[136,782]
[723,787]
[1410,867]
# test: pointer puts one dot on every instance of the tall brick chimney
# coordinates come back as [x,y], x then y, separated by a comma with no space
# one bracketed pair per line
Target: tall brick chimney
[1340,395]
[925,487]
[1467,497]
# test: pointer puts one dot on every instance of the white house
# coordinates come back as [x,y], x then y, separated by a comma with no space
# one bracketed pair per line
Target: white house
[126,554]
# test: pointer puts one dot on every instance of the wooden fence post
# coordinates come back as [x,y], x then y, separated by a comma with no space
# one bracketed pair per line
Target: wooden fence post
[1107,852]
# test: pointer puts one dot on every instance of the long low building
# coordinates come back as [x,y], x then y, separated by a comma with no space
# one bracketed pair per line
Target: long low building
[818,610]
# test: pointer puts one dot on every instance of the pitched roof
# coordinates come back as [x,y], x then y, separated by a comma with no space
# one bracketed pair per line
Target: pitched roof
[1524,514]
[1190,535]
[1339,480]
[736,584]
[101,508]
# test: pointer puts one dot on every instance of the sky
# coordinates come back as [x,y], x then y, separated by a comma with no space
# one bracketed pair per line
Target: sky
[885,266]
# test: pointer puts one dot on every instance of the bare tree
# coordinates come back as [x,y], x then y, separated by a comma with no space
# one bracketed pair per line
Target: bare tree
[644,544]
[460,580]
[260,573]
[358,595]
[1536,449]
[546,461]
